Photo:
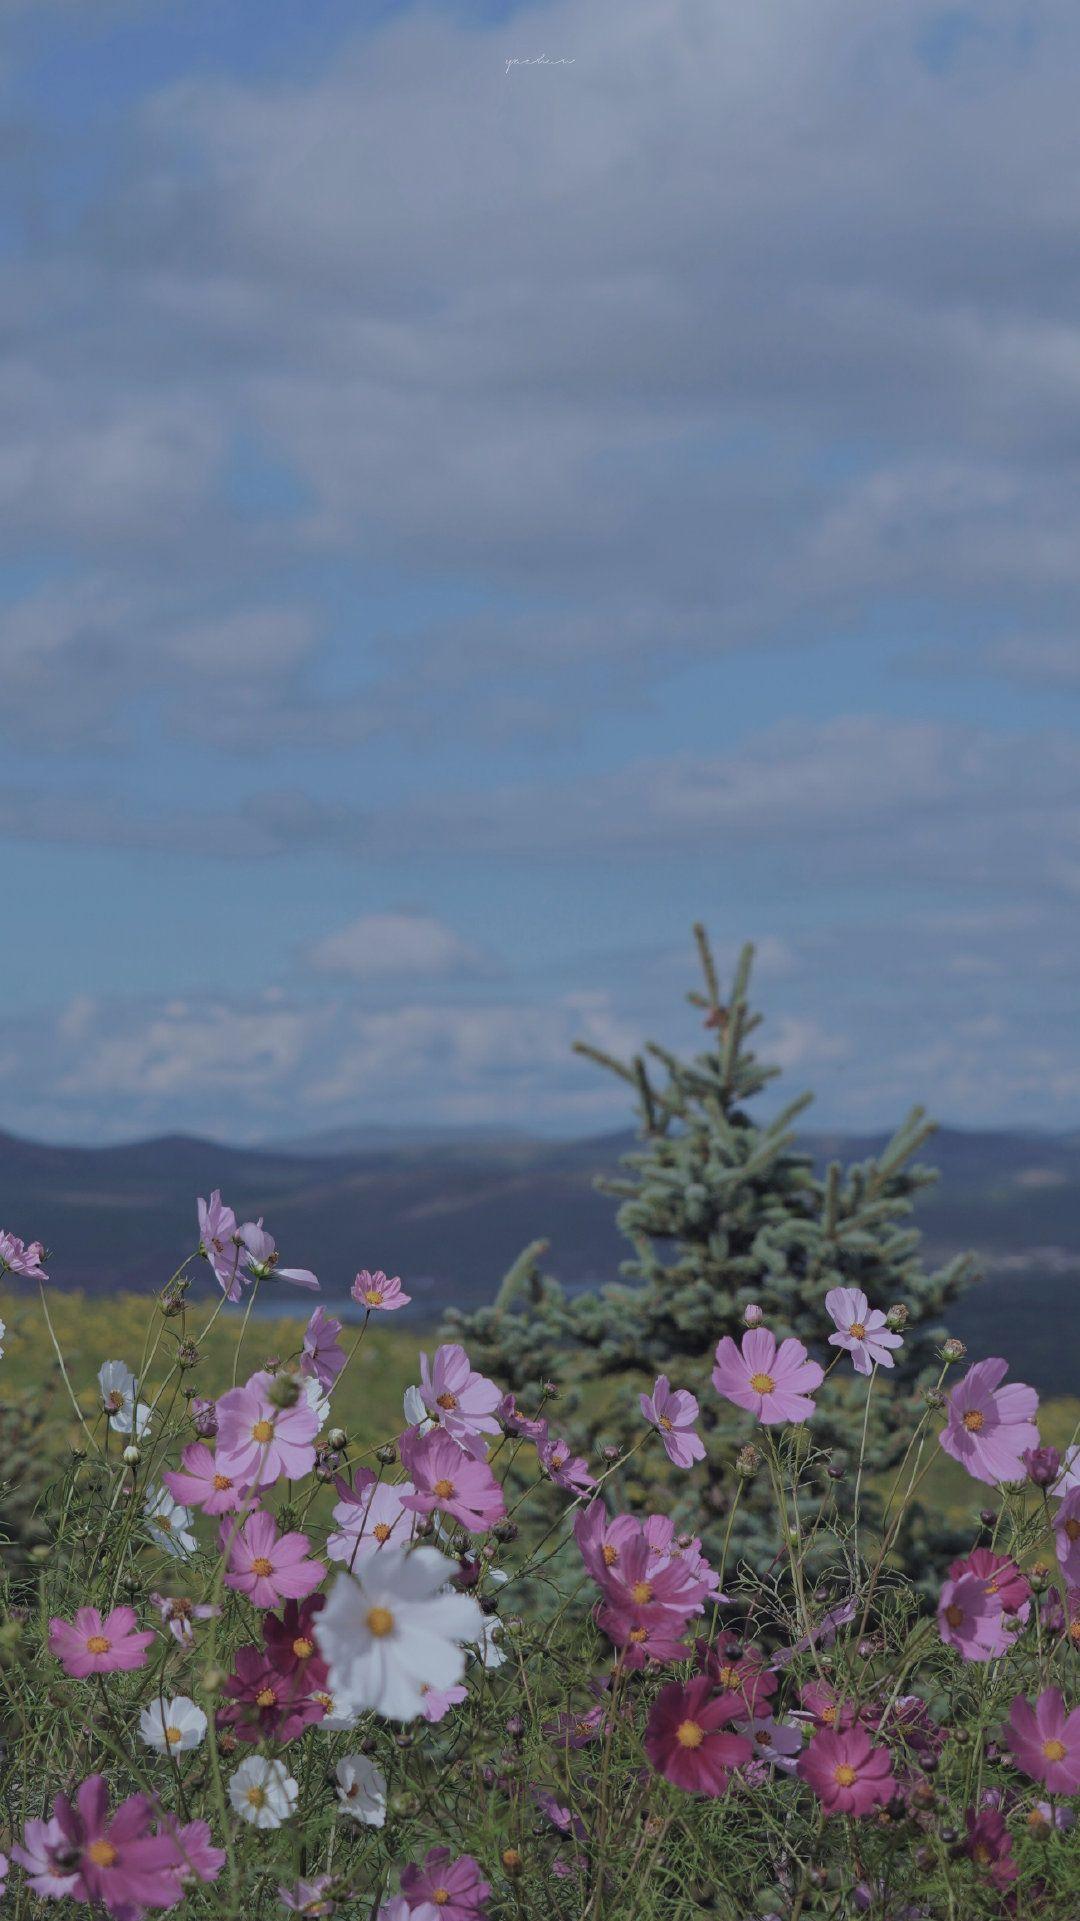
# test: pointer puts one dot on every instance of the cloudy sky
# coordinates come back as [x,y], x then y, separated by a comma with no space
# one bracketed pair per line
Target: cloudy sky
[459,523]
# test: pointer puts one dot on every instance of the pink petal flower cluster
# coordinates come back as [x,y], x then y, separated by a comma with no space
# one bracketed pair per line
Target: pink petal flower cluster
[258,1442]
[18,1258]
[116,1861]
[848,1773]
[459,1399]
[93,1645]
[672,1412]
[982,1590]
[323,1356]
[773,1383]
[271,1698]
[220,1244]
[377,1294]
[447,1477]
[1046,1740]
[990,1427]
[267,1566]
[648,1598]
[687,1738]
[369,1514]
[456,1889]
[860,1329]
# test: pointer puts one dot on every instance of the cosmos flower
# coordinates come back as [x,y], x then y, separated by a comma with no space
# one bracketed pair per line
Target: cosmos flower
[197,1860]
[861,1329]
[172,1727]
[259,1442]
[439,1701]
[361,1790]
[263,1792]
[773,1383]
[1046,1741]
[1067,1536]
[291,1640]
[119,1399]
[220,1244]
[179,1615]
[268,1702]
[990,1427]
[970,1621]
[368,1515]
[460,1400]
[309,1898]
[774,1741]
[18,1258]
[112,1860]
[168,1524]
[672,1412]
[378,1294]
[456,1889]
[391,1626]
[989,1845]
[566,1469]
[741,1671]
[94,1645]
[199,1482]
[532,1427]
[267,1566]
[262,1257]
[323,1356]
[847,1772]
[448,1478]
[688,1737]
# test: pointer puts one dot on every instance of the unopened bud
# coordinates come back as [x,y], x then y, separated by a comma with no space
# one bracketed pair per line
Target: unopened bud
[132,1455]
[753,1315]
[386,1454]
[934,1397]
[551,1390]
[337,1437]
[953,1350]
[897,1318]
[609,1452]
[187,1354]
[835,1471]
[1038,1576]
[988,1516]
[512,1861]
[505,1530]
[748,1461]
[284,1391]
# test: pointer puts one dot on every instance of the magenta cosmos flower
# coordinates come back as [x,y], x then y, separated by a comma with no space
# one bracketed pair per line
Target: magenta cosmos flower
[568,1470]
[114,1861]
[982,1589]
[989,1845]
[1046,1740]
[446,1477]
[262,1257]
[378,1293]
[685,1738]
[462,1401]
[91,1645]
[257,1442]
[990,1427]
[197,1859]
[456,1889]
[847,1772]
[220,1244]
[672,1412]
[773,1383]
[267,1566]
[323,1356]
[198,1482]
[17,1258]
[860,1328]
[271,1702]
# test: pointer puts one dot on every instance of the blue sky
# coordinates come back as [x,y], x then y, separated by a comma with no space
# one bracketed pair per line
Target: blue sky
[460,525]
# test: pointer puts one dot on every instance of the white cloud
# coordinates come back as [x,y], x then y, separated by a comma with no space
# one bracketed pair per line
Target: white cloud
[393,947]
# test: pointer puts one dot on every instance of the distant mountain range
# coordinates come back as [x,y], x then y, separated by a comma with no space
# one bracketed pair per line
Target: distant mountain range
[449,1212]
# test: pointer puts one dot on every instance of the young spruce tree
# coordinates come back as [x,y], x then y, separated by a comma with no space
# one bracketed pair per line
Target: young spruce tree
[721,1212]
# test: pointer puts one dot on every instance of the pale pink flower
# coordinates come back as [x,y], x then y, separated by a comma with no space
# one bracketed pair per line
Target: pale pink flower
[673,1411]
[462,1401]
[18,1258]
[258,1443]
[179,1615]
[199,1482]
[220,1244]
[377,1293]
[93,1645]
[847,1772]
[369,1515]
[861,1329]
[439,1701]
[773,1383]
[568,1471]
[260,1252]
[448,1478]
[267,1566]
[1067,1536]
[1046,1740]
[323,1356]
[990,1426]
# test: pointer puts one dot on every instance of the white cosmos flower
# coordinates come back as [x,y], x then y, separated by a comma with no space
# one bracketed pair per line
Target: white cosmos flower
[172,1727]
[118,1398]
[489,1652]
[318,1402]
[361,1790]
[263,1792]
[341,1712]
[416,1413]
[169,1524]
[392,1625]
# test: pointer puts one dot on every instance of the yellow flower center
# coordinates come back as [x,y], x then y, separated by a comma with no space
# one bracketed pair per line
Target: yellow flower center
[302,1648]
[447,1402]
[381,1531]
[221,1482]
[637,1635]
[265,1698]
[609,1555]
[982,1854]
[828,1715]
[262,1567]
[974,1420]
[763,1383]
[666,1424]
[255,1797]
[325,1700]
[101,1853]
[729,1677]
[858,1330]
[443,1489]
[262,1432]
[954,1615]
[1072,1528]
[689,1735]
[1074,1629]
[1038,1822]
[1054,1750]
[844,1775]
[173,1735]
[163,1522]
[97,1644]
[373,1296]
[440,1897]
[380,1621]
[641,1592]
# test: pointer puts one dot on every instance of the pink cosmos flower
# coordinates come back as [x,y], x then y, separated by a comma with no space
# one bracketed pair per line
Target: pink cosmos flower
[114,1861]
[1070,1473]
[829,1710]
[323,1357]
[665,1545]
[368,1515]
[179,1615]
[310,1898]
[91,1645]
[258,1443]
[685,1738]
[981,1590]
[439,1701]
[266,1566]
[531,1426]
[462,1401]
[198,1482]
[1046,1741]
[446,1477]
[823,1635]
[17,1258]
[267,1702]
[773,1383]
[1067,1536]
[220,1244]
[847,1772]
[989,1845]
[261,1255]
[860,1329]
[456,1889]
[742,1672]
[196,1859]
[603,1540]
[775,1742]
[672,1412]
[568,1470]
[990,1426]
[378,1294]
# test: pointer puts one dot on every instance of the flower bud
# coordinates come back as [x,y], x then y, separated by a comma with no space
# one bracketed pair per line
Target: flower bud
[511,1861]
[1043,1465]
[204,1415]
[551,1390]
[505,1530]
[988,1516]
[609,1452]
[952,1350]
[1039,1576]
[213,1680]
[835,1471]
[171,1299]
[132,1455]
[934,1397]
[284,1391]
[187,1354]
[386,1455]
[897,1318]
[337,1438]
[753,1315]
[748,1461]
